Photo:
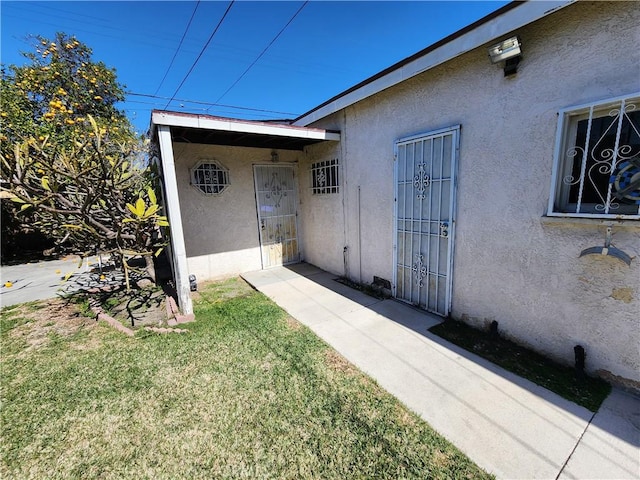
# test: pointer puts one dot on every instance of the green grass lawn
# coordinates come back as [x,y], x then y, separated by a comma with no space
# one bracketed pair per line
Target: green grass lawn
[247,393]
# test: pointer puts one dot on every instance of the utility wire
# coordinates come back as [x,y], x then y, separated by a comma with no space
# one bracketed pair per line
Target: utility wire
[140,36]
[201,52]
[250,117]
[262,53]
[77,30]
[178,49]
[93,22]
[197,102]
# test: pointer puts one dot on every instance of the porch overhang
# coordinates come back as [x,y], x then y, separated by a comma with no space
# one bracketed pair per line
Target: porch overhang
[168,128]
[210,130]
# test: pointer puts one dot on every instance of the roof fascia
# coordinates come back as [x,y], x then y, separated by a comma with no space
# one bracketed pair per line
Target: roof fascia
[233,125]
[511,17]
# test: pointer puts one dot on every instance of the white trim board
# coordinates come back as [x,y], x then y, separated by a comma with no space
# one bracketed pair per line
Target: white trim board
[207,122]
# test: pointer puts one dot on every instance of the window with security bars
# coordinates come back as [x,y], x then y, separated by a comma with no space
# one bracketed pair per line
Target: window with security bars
[209,177]
[325,177]
[597,161]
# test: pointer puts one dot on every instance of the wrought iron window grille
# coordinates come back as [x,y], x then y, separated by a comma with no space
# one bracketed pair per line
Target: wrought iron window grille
[209,177]
[597,161]
[325,177]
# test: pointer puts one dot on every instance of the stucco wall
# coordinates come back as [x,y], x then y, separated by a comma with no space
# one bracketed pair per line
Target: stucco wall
[221,231]
[510,264]
[322,216]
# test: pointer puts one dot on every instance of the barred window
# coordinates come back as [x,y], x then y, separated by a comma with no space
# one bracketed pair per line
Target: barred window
[597,163]
[209,177]
[325,178]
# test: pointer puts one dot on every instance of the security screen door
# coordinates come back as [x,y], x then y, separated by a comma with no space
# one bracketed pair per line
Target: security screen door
[277,202]
[425,206]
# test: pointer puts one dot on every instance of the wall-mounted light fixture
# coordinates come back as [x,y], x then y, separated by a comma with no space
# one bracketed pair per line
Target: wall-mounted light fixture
[274,157]
[507,51]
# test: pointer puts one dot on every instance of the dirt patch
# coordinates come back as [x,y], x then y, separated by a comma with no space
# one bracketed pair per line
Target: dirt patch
[337,362]
[55,318]
[139,308]
[404,417]
[37,324]
[440,459]
[293,324]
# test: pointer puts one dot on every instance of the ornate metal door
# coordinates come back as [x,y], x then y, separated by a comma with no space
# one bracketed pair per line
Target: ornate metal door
[425,205]
[277,203]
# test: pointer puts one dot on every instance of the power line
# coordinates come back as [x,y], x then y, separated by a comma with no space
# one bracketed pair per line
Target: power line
[201,52]
[59,26]
[235,53]
[254,116]
[93,21]
[210,104]
[262,53]
[282,63]
[178,49]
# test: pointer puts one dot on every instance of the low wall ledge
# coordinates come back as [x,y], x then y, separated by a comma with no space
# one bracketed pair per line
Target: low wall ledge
[589,222]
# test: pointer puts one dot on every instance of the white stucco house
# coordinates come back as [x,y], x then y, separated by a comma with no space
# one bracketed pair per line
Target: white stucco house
[480,189]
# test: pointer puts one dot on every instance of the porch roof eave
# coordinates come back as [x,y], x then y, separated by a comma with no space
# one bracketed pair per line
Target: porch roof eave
[208,129]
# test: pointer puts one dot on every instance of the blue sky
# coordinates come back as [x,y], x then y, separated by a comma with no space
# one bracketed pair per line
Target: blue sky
[328,47]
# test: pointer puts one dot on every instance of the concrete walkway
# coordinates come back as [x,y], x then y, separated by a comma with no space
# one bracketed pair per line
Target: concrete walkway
[45,279]
[507,425]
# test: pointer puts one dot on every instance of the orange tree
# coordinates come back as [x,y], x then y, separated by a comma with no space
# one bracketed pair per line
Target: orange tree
[71,162]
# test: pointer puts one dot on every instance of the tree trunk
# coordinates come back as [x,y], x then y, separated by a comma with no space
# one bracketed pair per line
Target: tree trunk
[151,269]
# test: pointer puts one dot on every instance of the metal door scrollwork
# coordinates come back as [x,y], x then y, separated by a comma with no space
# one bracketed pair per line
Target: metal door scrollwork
[276,189]
[277,234]
[425,185]
[277,221]
[420,269]
[421,181]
